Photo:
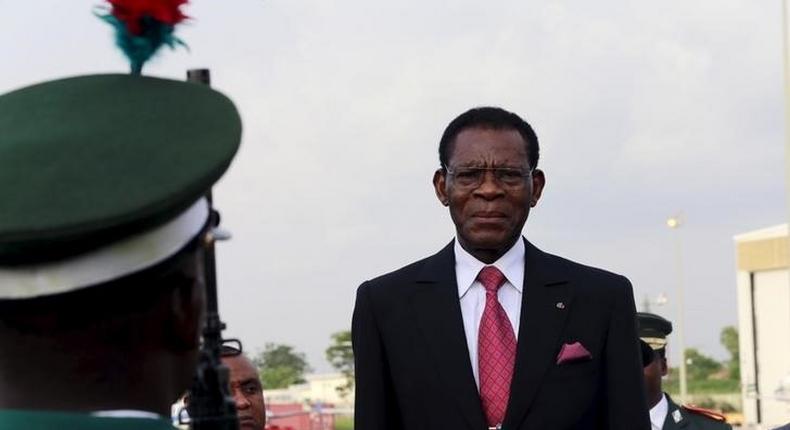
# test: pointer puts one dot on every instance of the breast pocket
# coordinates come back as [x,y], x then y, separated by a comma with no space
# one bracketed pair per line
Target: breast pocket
[574,370]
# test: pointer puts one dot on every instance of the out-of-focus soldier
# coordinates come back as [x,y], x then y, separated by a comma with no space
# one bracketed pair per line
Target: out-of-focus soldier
[665,414]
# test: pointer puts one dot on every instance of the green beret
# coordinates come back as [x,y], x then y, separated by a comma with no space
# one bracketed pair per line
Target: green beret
[653,329]
[92,161]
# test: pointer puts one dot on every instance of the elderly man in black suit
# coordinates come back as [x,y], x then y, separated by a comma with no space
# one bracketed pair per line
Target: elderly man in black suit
[491,332]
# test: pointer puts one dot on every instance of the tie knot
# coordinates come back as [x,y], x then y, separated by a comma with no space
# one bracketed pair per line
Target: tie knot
[491,278]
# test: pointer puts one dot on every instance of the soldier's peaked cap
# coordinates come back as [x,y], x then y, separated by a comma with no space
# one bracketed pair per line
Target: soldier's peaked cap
[100,161]
[653,329]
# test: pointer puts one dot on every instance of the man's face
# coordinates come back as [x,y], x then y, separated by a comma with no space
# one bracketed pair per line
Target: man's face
[245,386]
[653,374]
[488,217]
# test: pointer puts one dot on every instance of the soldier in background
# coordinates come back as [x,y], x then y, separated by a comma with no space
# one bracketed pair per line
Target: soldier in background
[665,414]
[246,388]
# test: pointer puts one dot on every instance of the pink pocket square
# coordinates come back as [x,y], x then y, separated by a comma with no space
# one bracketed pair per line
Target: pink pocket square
[571,352]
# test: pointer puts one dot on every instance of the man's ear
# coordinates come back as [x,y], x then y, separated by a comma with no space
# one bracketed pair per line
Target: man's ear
[440,186]
[663,366]
[538,183]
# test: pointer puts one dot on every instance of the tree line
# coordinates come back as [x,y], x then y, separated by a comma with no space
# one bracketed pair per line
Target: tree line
[281,365]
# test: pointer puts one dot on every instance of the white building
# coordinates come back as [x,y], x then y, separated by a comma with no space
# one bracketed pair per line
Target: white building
[318,387]
[764,325]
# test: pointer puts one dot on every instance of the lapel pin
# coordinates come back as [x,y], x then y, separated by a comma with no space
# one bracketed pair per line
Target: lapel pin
[676,416]
[560,305]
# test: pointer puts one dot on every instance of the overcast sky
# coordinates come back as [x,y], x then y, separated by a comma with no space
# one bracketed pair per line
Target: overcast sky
[643,110]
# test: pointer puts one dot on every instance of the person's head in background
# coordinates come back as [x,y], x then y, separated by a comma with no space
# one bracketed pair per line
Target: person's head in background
[246,389]
[655,368]
[653,331]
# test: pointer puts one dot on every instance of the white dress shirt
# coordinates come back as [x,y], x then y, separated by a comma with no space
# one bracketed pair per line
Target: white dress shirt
[472,294]
[658,413]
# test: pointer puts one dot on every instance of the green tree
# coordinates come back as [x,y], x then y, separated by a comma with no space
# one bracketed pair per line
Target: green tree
[729,339]
[341,356]
[280,366]
[700,366]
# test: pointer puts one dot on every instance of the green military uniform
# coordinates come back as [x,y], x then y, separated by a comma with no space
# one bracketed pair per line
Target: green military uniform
[67,421]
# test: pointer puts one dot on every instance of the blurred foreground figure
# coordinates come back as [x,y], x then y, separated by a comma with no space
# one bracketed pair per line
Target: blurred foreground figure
[665,414]
[104,229]
[492,332]
[246,389]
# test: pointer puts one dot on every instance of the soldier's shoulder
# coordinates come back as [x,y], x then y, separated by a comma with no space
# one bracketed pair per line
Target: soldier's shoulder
[706,418]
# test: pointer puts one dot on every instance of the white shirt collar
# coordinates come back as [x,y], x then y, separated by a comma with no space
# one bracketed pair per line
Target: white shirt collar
[126,413]
[658,413]
[511,264]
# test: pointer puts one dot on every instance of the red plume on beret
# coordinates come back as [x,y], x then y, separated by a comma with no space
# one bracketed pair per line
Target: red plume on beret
[143,26]
[132,12]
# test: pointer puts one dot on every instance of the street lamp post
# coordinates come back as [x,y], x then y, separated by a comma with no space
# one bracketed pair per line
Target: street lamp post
[674,223]
[660,300]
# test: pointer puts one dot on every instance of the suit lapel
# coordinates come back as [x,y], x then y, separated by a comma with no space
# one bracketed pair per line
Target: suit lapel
[542,322]
[437,312]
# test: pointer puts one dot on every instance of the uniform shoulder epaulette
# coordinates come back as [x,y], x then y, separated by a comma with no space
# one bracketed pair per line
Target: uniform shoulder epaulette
[704,412]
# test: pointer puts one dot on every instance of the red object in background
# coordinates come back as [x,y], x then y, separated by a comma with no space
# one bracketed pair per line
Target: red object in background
[131,12]
[288,416]
[293,416]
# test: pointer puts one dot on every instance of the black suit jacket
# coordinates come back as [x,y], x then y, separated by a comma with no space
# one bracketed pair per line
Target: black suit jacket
[412,363]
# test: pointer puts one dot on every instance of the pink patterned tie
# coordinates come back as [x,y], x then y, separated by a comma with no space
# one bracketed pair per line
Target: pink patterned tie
[496,349]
